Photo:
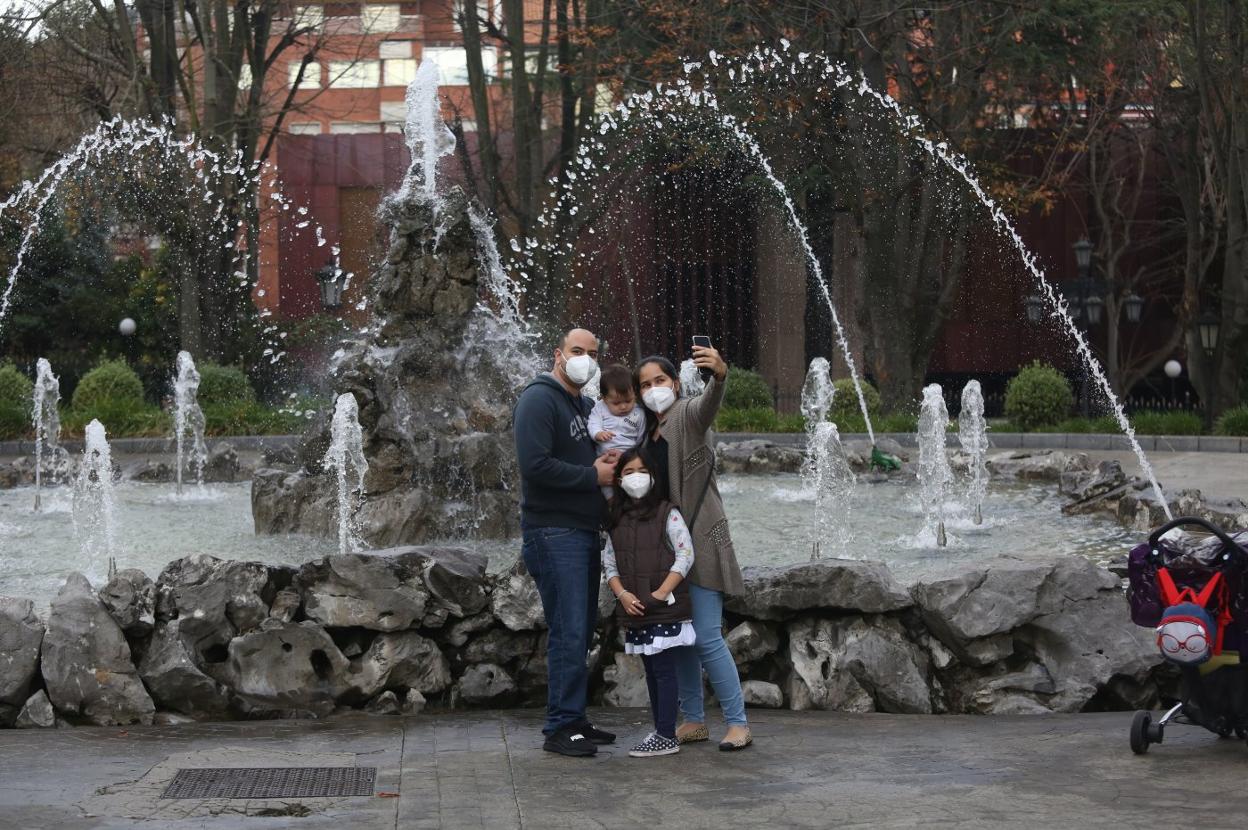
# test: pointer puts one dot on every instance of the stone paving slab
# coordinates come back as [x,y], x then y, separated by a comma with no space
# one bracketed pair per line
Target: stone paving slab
[487,769]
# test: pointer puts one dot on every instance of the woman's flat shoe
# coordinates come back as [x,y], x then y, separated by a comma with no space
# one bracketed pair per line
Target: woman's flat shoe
[738,738]
[692,733]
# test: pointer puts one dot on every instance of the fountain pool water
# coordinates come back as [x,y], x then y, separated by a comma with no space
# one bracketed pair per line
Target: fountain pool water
[46,418]
[770,517]
[188,418]
[94,505]
[934,473]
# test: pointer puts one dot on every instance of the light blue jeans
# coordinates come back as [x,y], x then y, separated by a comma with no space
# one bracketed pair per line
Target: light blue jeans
[710,652]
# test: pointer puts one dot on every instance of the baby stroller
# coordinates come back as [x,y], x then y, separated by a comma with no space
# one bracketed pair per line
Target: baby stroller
[1191,589]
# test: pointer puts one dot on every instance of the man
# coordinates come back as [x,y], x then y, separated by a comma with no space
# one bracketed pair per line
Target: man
[561,512]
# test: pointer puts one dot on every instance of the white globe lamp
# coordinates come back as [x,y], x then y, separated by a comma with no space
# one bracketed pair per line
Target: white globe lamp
[127,327]
[1173,369]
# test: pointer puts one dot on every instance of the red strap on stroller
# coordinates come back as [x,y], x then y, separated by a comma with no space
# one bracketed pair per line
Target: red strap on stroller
[1171,594]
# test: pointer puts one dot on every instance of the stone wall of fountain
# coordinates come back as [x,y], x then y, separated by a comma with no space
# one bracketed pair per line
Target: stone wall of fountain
[434,379]
[387,631]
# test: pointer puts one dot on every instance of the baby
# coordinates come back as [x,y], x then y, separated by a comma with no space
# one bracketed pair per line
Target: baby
[616,422]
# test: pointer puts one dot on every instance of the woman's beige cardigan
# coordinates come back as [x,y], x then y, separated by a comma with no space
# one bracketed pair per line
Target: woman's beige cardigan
[691,453]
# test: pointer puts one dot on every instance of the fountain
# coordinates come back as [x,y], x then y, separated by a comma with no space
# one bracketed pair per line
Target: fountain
[46,418]
[934,473]
[188,418]
[434,376]
[973,436]
[667,105]
[825,469]
[95,522]
[345,460]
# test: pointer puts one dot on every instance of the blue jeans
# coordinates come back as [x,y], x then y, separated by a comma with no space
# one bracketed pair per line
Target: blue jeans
[564,562]
[710,652]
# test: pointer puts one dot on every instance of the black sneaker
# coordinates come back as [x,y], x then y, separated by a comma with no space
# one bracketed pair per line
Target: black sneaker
[655,745]
[570,741]
[598,736]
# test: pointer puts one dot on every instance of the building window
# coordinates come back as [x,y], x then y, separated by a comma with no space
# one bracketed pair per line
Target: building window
[306,128]
[353,127]
[399,72]
[342,9]
[310,17]
[453,63]
[354,74]
[378,19]
[391,49]
[311,75]
[393,116]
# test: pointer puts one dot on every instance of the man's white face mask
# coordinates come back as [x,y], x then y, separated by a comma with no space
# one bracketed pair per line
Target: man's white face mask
[579,369]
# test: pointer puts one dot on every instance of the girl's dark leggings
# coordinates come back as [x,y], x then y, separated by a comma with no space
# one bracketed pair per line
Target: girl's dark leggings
[661,681]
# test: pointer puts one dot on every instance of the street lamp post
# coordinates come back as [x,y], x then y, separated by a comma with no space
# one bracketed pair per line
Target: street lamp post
[329,279]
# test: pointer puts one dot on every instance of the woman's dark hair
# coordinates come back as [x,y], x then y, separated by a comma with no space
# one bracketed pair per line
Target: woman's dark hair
[669,369]
[622,503]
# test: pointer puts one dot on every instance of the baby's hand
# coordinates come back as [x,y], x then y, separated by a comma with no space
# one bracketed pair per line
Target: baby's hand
[605,435]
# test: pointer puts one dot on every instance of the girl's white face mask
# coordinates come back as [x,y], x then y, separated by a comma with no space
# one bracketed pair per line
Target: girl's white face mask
[659,399]
[636,484]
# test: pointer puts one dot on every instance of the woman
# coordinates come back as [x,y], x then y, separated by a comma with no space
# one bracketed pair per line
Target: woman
[678,436]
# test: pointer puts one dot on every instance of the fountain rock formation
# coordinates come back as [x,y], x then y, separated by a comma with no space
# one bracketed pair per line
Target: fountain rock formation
[434,379]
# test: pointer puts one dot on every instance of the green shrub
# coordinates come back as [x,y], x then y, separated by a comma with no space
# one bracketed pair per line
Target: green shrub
[15,387]
[845,401]
[120,418]
[110,385]
[250,418]
[1233,422]
[753,419]
[747,390]
[223,385]
[1036,396]
[1167,423]
[14,420]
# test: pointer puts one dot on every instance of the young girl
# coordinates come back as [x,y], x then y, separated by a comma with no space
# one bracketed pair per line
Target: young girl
[646,559]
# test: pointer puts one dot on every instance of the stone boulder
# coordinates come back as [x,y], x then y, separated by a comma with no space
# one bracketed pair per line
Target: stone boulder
[1020,692]
[86,662]
[625,681]
[384,591]
[455,578]
[975,612]
[1037,465]
[501,646]
[36,713]
[222,464]
[483,683]
[857,664]
[516,602]
[776,593]
[763,694]
[149,471]
[1091,489]
[21,634]
[752,640]
[386,703]
[171,672]
[130,596]
[757,457]
[400,660]
[287,669]
[217,599]
[1088,643]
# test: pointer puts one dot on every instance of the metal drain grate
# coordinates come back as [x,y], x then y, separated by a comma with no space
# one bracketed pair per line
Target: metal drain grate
[272,782]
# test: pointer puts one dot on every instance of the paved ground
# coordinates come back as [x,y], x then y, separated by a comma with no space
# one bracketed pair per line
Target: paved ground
[487,769]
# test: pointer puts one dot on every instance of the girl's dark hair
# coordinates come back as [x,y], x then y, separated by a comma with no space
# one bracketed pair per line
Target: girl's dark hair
[669,369]
[622,503]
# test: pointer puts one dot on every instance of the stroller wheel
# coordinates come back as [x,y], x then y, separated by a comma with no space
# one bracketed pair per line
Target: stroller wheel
[1140,732]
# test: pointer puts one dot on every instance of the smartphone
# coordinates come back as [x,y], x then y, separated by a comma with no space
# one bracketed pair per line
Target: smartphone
[705,342]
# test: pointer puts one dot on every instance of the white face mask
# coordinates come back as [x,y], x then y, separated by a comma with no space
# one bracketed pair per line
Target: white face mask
[580,369]
[636,484]
[658,399]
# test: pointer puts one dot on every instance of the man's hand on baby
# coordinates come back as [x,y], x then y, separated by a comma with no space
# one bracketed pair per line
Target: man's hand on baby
[605,435]
[605,465]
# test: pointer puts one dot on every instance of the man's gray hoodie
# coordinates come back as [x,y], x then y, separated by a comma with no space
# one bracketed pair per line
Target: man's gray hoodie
[558,482]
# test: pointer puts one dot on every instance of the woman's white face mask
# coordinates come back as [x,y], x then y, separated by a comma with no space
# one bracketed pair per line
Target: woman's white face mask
[659,399]
[636,484]
[579,369]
